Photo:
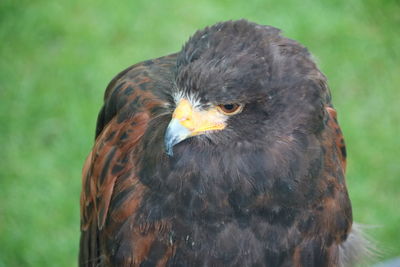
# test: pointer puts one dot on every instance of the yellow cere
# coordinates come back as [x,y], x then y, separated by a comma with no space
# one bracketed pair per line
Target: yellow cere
[198,121]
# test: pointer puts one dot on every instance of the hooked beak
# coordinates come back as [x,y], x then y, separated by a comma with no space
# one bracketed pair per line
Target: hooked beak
[175,133]
[187,122]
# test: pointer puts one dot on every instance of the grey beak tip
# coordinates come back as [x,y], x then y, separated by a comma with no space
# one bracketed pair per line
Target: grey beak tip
[174,134]
[169,151]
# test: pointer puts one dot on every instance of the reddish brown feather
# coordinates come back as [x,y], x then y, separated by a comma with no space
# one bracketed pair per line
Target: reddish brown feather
[339,139]
[102,189]
[106,174]
[331,215]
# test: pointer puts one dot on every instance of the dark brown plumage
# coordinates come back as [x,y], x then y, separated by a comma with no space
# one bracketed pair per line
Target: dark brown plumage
[227,153]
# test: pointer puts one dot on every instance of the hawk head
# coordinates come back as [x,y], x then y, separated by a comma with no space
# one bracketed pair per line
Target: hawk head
[241,84]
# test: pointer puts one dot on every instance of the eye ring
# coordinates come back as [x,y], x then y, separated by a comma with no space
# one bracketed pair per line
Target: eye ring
[230,109]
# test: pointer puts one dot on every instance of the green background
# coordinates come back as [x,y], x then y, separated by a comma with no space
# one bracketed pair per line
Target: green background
[56,58]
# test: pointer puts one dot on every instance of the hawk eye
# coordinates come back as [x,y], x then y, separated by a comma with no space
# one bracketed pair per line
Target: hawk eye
[230,109]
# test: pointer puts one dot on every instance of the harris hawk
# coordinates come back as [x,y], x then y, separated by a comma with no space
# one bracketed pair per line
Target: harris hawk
[227,153]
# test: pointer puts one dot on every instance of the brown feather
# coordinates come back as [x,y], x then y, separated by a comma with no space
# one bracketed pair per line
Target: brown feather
[267,190]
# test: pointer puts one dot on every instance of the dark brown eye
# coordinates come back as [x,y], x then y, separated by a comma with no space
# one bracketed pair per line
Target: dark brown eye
[230,109]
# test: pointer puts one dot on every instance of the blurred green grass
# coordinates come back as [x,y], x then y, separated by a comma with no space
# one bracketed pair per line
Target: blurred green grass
[56,58]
